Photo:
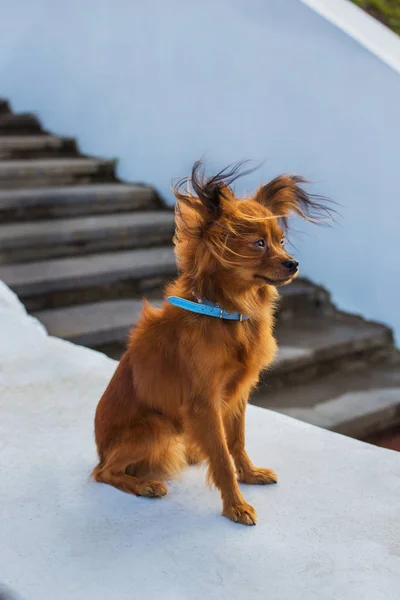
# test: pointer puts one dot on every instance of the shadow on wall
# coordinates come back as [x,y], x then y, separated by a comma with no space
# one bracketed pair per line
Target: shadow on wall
[161,85]
[6,594]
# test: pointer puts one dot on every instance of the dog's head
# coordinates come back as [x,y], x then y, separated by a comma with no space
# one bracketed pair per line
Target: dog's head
[241,239]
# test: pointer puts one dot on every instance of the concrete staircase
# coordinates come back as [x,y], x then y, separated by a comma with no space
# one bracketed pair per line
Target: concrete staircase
[81,248]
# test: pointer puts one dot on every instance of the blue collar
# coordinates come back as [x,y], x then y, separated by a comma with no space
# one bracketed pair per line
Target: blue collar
[205,307]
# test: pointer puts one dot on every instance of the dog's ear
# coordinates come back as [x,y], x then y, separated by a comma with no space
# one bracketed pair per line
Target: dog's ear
[283,196]
[209,192]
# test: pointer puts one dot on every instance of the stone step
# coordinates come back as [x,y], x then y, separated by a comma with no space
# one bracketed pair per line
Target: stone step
[19,124]
[59,202]
[357,395]
[357,404]
[83,235]
[58,171]
[94,324]
[347,339]
[100,323]
[4,107]
[67,281]
[14,147]
[314,346]
[304,297]
[111,276]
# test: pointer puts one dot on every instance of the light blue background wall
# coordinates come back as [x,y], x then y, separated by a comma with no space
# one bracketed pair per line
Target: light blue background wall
[159,83]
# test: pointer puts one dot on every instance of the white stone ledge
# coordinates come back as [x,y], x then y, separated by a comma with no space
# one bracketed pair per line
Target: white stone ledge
[369,32]
[329,529]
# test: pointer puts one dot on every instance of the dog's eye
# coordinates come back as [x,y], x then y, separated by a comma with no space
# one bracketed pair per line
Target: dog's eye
[283,241]
[260,243]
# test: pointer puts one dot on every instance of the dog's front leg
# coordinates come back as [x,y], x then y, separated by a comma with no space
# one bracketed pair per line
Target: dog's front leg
[204,425]
[234,422]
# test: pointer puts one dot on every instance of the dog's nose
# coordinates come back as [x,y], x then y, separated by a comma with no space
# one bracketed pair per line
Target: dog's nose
[291,265]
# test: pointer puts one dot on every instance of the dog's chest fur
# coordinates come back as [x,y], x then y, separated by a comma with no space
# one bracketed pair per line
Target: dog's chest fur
[252,348]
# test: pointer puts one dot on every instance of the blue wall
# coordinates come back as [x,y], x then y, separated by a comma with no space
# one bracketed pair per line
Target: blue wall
[159,83]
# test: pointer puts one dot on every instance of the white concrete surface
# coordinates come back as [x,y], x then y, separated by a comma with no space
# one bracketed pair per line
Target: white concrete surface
[330,529]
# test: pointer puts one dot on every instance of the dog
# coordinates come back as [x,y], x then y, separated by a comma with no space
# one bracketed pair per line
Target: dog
[179,393]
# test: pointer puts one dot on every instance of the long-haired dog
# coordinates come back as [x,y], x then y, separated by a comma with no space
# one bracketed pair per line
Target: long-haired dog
[179,393]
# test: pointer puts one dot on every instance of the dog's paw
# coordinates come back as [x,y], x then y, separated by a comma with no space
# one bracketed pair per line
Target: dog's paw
[241,513]
[151,489]
[258,476]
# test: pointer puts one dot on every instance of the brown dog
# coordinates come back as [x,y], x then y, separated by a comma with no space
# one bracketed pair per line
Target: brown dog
[180,391]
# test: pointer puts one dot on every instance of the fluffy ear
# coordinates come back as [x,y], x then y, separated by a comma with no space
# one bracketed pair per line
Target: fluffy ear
[209,192]
[283,196]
